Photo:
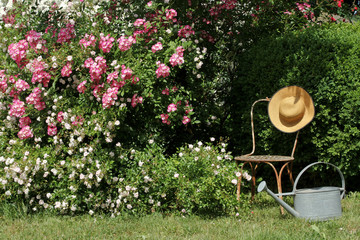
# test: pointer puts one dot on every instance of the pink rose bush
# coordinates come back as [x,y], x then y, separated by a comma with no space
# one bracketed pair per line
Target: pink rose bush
[62,58]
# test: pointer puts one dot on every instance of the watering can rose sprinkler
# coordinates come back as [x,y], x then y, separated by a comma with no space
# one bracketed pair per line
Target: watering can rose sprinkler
[320,203]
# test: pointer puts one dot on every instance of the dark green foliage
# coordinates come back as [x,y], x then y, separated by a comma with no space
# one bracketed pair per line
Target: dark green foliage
[325,61]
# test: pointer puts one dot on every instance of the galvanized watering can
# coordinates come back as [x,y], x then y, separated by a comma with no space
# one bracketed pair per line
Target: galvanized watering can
[320,203]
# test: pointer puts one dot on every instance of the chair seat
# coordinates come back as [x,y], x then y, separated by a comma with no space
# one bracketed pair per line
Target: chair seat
[263,158]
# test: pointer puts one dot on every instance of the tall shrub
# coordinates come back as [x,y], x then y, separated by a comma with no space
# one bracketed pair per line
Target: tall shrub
[324,60]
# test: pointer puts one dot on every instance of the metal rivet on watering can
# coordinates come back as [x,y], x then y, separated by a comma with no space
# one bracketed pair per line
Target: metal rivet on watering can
[319,204]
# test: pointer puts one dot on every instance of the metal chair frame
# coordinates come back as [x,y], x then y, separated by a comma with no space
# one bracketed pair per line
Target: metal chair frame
[268,159]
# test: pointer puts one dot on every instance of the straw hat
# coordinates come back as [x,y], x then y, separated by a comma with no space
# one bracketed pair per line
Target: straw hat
[290,109]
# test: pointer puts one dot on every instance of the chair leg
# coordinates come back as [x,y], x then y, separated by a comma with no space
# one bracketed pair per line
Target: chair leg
[253,179]
[289,169]
[253,172]
[238,191]
[278,181]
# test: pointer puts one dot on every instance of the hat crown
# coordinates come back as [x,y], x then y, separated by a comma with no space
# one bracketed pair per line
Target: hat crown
[291,109]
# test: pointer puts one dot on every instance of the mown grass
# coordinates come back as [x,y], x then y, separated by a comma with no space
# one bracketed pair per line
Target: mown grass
[265,222]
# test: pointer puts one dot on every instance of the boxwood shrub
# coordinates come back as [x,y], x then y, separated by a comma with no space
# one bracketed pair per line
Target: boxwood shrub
[325,61]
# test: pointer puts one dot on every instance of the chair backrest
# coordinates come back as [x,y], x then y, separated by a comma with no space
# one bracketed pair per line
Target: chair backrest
[253,131]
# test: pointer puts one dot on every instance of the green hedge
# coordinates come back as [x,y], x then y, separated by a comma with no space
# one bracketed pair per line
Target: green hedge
[325,61]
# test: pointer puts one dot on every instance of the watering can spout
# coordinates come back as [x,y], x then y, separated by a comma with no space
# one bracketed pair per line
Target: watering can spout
[262,186]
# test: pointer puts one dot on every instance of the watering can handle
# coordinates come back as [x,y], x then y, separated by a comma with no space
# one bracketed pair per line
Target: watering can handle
[310,165]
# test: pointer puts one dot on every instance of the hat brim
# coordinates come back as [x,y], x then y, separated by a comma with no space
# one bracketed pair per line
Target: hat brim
[274,107]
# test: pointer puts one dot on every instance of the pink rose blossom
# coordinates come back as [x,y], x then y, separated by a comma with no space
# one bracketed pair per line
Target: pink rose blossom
[60,116]
[24,121]
[34,97]
[3,85]
[165,91]
[135,100]
[81,88]
[139,22]
[156,47]
[180,50]
[97,90]
[88,40]
[17,52]
[172,107]
[170,14]
[40,106]
[35,41]
[186,31]
[112,76]
[164,118]
[134,80]
[176,59]
[21,85]
[126,72]
[88,62]
[36,66]
[185,120]
[109,97]
[118,84]
[51,129]
[106,43]
[125,43]
[162,71]
[25,133]
[17,108]
[12,79]
[66,34]
[41,77]
[66,70]
[78,121]
[96,67]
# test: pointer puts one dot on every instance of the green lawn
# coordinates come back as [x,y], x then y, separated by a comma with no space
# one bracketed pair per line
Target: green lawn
[265,222]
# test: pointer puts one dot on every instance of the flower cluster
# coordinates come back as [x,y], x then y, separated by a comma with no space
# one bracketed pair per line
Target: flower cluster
[162,71]
[17,52]
[21,85]
[17,108]
[96,68]
[66,70]
[156,47]
[37,67]
[36,99]
[109,97]
[186,31]
[87,41]
[171,14]
[126,43]
[66,34]
[35,41]
[106,43]
[25,133]
[178,57]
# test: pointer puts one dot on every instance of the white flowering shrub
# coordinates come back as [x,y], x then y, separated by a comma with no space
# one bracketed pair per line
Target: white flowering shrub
[198,179]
